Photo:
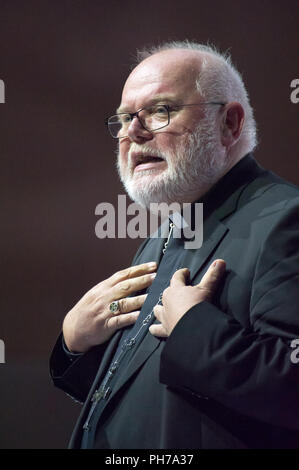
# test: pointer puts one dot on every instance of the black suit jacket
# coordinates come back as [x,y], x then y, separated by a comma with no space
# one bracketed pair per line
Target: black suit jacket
[224,378]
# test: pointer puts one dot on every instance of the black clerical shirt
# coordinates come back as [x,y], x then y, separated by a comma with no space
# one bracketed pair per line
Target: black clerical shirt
[132,336]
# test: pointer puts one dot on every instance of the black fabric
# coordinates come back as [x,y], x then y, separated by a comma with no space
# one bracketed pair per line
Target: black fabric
[224,378]
[170,262]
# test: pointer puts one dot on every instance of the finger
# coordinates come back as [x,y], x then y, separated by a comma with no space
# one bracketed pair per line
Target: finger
[213,275]
[129,286]
[158,312]
[158,330]
[131,272]
[129,304]
[121,321]
[180,277]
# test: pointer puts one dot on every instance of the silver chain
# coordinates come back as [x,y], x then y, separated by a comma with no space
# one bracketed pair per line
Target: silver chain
[104,391]
[171,225]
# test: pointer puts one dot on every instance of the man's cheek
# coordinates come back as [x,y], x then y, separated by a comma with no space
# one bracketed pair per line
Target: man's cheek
[122,162]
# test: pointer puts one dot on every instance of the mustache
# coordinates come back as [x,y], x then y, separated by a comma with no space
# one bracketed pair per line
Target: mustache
[144,150]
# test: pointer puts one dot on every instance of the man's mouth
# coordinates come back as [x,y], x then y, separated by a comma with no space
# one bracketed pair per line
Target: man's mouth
[146,162]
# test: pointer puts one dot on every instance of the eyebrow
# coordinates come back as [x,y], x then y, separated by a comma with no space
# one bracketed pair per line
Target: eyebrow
[163,99]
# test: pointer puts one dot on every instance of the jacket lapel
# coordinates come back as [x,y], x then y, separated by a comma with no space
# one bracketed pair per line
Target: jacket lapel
[107,358]
[214,231]
[149,344]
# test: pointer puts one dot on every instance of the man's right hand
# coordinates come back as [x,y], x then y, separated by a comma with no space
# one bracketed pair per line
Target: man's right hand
[90,322]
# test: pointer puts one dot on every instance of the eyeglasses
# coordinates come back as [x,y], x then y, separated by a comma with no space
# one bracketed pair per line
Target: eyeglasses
[151,118]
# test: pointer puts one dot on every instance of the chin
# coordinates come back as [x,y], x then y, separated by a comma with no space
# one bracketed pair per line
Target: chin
[147,192]
[145,179]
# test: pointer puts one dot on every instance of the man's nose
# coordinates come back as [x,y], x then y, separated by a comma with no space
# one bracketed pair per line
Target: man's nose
[137,133]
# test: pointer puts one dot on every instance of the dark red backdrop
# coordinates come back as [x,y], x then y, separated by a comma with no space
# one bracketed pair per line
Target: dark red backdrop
[63,63]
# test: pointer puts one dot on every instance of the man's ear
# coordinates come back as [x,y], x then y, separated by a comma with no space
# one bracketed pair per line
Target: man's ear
[232,123]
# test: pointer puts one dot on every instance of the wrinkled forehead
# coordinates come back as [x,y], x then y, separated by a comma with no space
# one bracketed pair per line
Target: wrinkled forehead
[172,73]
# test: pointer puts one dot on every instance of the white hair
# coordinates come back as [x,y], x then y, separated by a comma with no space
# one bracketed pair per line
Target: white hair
[218,80]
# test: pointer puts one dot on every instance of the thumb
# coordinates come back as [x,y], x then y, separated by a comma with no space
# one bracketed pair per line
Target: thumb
[213,276]
[180,277]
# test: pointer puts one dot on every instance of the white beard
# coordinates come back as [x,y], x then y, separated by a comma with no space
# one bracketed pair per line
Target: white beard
[197,164]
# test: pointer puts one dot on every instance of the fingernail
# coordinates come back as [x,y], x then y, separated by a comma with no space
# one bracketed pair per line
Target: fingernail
[153,276]
[152,264]
[219,265]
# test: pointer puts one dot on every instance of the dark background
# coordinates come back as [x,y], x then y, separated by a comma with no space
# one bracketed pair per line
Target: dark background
[63,64]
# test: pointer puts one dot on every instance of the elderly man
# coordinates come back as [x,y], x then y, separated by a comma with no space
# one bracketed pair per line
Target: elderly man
[191,348]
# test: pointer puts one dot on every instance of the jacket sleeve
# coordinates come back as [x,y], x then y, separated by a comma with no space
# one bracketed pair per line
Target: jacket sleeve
[252,371]
[75,373]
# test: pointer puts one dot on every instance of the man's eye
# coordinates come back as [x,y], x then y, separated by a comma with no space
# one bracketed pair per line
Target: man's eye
[125,119]
[160,110]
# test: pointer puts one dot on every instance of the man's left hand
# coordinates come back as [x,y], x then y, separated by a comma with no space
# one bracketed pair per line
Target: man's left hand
[178,298]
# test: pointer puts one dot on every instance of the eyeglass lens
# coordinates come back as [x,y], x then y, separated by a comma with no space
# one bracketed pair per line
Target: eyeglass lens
[151,118]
